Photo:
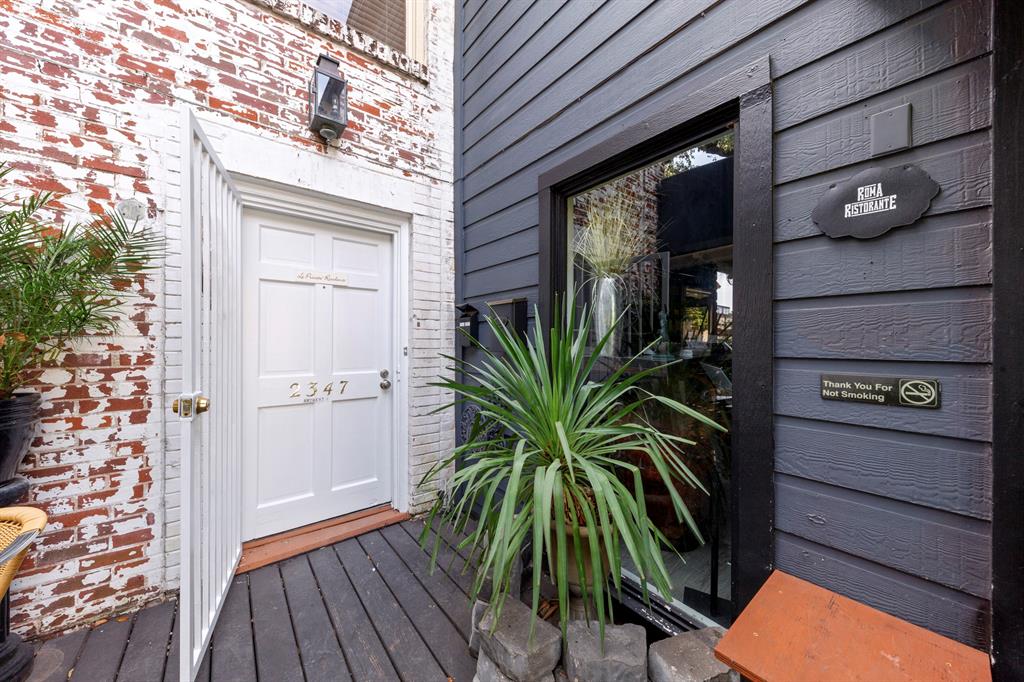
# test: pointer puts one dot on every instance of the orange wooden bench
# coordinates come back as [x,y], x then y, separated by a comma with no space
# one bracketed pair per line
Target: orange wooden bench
[793,631]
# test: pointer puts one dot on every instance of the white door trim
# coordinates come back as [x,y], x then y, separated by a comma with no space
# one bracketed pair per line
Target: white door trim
[272,197]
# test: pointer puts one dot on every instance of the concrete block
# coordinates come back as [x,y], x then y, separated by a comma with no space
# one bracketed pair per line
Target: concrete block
[507,643]
[487,671]
[622,659]
[474,634]
[688,657]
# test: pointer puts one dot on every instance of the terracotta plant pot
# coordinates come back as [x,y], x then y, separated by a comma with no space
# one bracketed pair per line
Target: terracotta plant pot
[572,571]
[18,418]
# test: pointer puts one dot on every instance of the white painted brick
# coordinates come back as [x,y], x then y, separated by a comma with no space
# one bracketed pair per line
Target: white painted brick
[129,147]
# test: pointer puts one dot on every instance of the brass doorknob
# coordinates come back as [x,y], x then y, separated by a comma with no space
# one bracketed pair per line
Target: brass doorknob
[185,406]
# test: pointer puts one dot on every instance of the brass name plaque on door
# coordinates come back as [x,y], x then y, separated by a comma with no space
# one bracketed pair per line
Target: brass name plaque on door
[339,278]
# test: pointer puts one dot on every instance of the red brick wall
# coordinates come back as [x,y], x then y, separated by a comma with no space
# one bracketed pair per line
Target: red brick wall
[81,83]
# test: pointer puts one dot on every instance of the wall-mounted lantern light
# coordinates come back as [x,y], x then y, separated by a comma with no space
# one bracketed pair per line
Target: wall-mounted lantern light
[328,100]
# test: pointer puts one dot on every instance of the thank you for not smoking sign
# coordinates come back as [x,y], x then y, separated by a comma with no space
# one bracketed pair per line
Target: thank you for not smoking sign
[926,393]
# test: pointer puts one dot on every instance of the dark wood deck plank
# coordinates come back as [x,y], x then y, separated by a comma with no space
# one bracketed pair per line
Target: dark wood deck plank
[366,655]
[101,656]
[56,657]
[146,653]
[234,654]
[364,609]
[447,560]
[411,656]
[445,591]
[277,654]
[454,540]
[447,533]
[322,658]
[203,674]
[442,637]
[173,655]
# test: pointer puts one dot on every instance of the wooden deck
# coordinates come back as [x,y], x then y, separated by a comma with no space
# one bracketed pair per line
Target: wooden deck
[366,608]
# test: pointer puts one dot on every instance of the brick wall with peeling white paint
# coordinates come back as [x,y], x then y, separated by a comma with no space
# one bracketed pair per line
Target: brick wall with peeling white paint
[91,93]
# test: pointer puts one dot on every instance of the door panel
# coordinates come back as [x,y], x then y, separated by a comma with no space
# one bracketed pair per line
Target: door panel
[286,305]
[285,454]
[318,315]
[288,247]
[347,467]
[351,352]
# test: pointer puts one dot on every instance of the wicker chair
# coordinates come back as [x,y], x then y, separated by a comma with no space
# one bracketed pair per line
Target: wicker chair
[19,527]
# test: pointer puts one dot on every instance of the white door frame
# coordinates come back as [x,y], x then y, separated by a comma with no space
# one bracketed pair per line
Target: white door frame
[272,197]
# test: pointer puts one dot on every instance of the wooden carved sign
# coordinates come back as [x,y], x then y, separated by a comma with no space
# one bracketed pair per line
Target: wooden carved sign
[874,201]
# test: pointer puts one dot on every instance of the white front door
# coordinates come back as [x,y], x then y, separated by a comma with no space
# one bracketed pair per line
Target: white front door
[318,349]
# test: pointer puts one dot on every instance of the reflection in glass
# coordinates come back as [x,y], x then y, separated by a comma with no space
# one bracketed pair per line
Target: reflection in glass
[654,246]
[331,91]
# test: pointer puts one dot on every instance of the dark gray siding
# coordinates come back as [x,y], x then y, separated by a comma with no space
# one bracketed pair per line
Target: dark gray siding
[888,506]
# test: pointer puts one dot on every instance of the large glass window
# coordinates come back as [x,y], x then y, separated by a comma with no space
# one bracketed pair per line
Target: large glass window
[655,247]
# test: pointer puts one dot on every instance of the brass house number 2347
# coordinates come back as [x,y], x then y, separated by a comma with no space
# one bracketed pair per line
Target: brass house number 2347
[313,389]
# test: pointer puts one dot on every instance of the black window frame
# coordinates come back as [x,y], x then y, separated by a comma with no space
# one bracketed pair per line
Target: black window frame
[742,99]
[1007,647]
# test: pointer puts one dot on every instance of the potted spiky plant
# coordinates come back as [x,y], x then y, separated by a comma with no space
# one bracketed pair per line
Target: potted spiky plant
[58,283]
[551,478]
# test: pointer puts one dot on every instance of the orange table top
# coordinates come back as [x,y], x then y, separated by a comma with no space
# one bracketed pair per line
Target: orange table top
[793,630]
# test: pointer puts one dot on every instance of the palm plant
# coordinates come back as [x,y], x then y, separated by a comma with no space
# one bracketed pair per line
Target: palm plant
[60,282]
[554,478]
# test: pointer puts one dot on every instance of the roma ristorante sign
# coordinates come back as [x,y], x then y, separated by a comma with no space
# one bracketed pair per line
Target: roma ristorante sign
[874,201]
[870,199]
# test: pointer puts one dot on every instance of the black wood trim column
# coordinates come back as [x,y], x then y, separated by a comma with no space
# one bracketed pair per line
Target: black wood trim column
[1008,342]
[752,494]
[551,209]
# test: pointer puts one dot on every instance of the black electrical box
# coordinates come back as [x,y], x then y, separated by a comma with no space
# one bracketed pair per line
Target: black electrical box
[511,311]
[468,325]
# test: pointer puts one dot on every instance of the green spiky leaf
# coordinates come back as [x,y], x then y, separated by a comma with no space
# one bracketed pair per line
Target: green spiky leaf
[557,479]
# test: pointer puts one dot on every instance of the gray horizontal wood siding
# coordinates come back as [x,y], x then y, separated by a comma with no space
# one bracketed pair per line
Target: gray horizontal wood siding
[886,505]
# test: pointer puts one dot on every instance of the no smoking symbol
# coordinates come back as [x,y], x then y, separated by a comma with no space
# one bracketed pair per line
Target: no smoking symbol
[919,393]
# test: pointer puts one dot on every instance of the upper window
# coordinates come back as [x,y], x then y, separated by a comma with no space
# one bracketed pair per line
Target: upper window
[396,23]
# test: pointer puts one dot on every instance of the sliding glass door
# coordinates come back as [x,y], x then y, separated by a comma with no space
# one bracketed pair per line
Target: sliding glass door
[655,247]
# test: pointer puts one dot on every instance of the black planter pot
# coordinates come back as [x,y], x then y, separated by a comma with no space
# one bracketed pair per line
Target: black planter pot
[18,418]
